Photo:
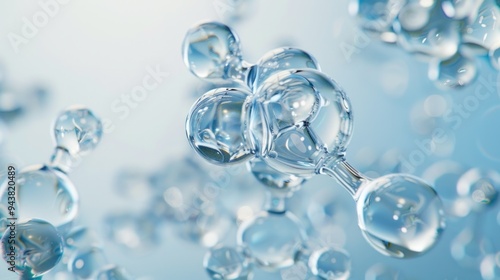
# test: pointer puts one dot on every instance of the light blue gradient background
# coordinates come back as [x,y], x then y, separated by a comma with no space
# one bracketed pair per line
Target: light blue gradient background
[93,51]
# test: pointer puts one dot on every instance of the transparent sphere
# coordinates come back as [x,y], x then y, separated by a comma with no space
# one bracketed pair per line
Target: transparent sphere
[113,272]
[330,264]
[226,263]
[78,131]
[296,119]
[278,60]
[38,247]
[214,126]
[483,30]
[86,263]
[480,188]
[274,180]
[425,29]
[456,72]
[494,55]
[208,49]
[376,16]
[400,215]
[273,240]
[44,193]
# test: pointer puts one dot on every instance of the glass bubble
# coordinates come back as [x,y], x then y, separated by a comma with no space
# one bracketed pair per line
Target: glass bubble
[277,60]
[490,267]
[376,16]
[483,30]
[44,193]
[273,240]
[85,263]
[208,49]
[400,215]
[456,72]
[38,247]
[274,180]
[215,126]
[78,131]
[444,176]
[480,188]
[459,9]
[330,264]
[297,118]
[426,30]
[226,263]
[494,55]
[113,272]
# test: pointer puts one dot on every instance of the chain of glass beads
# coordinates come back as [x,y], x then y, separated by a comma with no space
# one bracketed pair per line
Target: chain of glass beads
[47,243]
[289,120]
[447,33]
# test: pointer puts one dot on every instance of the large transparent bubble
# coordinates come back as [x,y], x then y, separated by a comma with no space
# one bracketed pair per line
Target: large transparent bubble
[214,126]
[37,248]
[44,193]
[400,215]
[278,60]
[208,49]
[273,239]
[78,131]
[298,118]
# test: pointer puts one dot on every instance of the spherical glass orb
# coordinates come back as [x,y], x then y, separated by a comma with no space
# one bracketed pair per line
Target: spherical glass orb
[330,264]
[278,60]
[214,126]
[44,193]
[480,188]
[36,249]
[226,263]
[296,119]
[208,48]
[273,240]
[400,215]
[78,131]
